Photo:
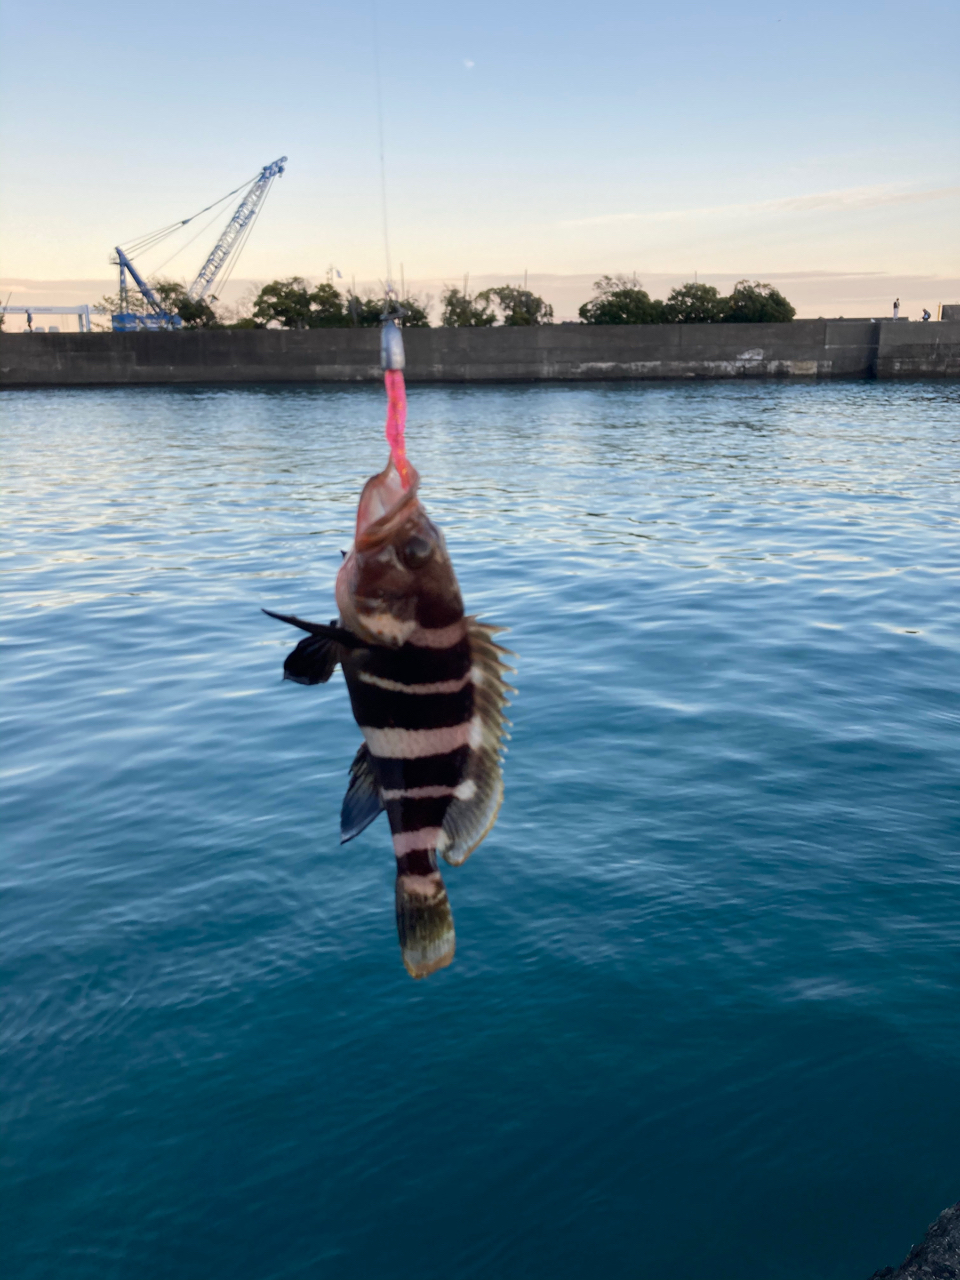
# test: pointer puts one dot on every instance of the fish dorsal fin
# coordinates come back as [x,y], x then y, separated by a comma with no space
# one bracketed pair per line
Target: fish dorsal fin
[472,813]
[363,801]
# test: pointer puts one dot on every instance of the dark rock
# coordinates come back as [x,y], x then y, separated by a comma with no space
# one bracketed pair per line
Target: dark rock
[936,1257]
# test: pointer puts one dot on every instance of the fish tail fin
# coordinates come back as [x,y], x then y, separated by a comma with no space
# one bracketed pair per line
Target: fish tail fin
[424,923]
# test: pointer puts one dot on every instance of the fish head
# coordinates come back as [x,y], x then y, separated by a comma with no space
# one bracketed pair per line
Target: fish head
[398,575]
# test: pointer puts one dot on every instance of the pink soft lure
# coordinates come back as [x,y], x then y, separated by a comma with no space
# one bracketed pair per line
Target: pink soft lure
[396,422]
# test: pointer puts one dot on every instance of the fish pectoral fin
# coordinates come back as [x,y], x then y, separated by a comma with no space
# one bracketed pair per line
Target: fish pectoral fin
[362,802]
[313,661]
[321,630]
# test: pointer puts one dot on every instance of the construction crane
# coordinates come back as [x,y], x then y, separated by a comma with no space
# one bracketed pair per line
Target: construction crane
[231,241]
[125,319]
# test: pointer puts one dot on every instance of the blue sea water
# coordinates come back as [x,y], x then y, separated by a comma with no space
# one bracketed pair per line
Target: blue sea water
[704,1018]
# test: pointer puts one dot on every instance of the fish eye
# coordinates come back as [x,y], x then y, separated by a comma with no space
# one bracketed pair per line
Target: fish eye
[416,551]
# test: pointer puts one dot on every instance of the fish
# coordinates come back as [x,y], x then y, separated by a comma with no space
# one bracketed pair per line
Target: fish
[428,691]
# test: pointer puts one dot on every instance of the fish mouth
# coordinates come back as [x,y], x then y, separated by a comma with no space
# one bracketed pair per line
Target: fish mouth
[384,505]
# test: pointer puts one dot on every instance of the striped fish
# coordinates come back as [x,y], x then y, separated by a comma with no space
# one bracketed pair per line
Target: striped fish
[427,689]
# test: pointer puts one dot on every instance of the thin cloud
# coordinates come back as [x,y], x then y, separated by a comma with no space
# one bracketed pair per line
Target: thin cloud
[825,201]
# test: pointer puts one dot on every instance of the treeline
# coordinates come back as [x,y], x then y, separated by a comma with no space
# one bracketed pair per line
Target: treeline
[296,304]
[293,304]
[618,300]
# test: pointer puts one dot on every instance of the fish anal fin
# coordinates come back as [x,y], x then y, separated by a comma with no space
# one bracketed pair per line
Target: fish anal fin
[362,802]
[472,813]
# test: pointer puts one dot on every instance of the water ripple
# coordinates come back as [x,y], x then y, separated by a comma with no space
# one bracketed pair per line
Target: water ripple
[707,979]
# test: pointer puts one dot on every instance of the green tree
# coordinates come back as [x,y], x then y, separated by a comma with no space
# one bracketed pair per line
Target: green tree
[286,301]
[326,308]
[619,300]
[756,303]
[174,298]
[363,312]
[198,314]
[368,312]
[415,312]
[517,306]
[460,310]
[694,304]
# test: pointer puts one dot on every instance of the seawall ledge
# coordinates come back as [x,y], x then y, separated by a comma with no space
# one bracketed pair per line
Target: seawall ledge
[547,353]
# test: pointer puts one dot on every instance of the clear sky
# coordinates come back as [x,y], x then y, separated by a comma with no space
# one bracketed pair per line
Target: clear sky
[747,137]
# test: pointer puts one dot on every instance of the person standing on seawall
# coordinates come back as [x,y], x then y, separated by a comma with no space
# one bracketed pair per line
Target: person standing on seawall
[896,308]
[926,314]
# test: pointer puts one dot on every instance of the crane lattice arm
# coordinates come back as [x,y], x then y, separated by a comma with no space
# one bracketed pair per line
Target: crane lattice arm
[246,212]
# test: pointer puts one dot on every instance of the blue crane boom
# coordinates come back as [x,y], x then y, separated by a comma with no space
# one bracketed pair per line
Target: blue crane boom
[125,319]
[241,220]
[230,241]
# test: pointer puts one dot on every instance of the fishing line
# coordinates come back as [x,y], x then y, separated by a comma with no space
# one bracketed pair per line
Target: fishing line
[392,357]
[383,166]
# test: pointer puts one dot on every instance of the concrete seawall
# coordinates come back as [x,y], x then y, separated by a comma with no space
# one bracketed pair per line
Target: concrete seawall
[803,348]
